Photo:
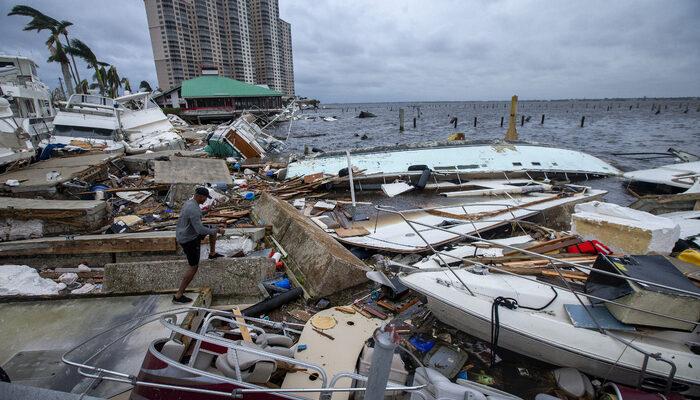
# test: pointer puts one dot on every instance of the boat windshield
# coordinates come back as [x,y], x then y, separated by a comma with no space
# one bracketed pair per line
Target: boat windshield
[83,132]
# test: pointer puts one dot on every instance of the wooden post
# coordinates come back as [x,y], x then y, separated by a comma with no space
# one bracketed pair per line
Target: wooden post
[414,122]
[474,122]
[522,120]
[542,122]
[512,133]
[401,119]
[501,122]
[582,120]
[455,122]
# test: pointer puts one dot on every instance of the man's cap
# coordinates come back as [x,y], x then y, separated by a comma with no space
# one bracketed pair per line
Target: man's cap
[202,191]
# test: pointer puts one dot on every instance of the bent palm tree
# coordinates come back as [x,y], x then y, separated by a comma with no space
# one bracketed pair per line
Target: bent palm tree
[82,51]
[40,22]
[145,86]
[126,83]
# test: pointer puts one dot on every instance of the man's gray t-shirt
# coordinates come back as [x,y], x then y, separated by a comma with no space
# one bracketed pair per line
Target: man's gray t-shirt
[189,225]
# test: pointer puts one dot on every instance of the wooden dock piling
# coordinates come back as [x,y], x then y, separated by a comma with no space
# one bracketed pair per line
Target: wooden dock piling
[542,122]
[401,116]
[583,119]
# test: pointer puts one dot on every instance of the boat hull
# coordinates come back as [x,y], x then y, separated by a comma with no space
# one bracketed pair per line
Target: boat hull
[532,347]
[468,160]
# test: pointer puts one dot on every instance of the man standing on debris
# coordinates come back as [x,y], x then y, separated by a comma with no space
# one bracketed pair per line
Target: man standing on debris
[189,234]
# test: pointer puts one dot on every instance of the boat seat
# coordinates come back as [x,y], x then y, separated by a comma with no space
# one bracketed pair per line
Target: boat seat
[173,350]
[277,344]
[254,368]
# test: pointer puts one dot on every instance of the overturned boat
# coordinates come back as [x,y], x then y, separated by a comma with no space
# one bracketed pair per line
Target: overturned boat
[475,207]
[26,110]
[667,179]
[130,124]
[458,160]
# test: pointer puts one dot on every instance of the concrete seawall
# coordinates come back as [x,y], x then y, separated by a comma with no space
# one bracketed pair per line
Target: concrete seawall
[322,265]
[225,276]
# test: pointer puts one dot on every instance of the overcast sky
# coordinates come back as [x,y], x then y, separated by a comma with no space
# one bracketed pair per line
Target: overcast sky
[368,50]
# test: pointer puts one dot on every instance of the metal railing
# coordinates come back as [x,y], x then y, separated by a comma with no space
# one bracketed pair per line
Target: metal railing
[169,319]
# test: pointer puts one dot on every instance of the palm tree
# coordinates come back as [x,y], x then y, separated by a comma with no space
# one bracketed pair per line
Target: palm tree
[40,22]
[82,51]
[126,83]
[113,81]
[145,86]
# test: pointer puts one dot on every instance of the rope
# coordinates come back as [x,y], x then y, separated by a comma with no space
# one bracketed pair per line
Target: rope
[511,304]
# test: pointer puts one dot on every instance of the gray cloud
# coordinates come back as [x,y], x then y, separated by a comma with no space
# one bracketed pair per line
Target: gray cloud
[393,50]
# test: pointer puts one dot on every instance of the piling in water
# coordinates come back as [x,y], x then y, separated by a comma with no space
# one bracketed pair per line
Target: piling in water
[583,119]
[401,119]
[542,122]
[474,122]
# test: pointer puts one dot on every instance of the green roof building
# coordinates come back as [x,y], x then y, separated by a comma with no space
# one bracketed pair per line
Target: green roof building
[217,97]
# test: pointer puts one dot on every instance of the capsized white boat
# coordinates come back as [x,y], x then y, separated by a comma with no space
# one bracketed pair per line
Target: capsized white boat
[464,159]
[491,206]
[26,110]
[549,334]
[132,123]
[15,143]
[673,178]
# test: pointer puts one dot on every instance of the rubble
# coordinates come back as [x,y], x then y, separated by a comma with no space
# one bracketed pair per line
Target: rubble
[301,250]
[625,230]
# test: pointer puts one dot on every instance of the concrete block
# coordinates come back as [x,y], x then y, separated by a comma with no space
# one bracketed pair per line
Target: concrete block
[623,229]
[321,264]
[225,276]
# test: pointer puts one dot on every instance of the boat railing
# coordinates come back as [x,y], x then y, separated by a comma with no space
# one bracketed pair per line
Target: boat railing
[168,318]
[90,100]
[554,262]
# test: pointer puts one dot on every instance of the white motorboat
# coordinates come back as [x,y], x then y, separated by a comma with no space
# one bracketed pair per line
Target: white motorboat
[132,124]
[26,111]
[541,324]
[465,160]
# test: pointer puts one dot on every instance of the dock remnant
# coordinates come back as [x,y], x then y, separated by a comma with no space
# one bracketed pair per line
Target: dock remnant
[32,218]
[225,276]
[512,133]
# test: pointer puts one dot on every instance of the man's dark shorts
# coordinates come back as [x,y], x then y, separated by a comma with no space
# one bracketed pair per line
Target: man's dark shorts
[192,250]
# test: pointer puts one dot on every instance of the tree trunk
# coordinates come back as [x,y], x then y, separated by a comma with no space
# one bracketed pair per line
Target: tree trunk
[75,66]
[65,68]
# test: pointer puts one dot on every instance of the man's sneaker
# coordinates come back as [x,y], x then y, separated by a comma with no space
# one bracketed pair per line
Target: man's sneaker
[182,299]
[215,255]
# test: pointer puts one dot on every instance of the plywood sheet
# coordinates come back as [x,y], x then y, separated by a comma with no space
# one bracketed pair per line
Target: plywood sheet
[350,333]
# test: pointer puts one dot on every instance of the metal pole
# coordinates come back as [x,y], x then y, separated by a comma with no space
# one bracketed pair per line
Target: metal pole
[352,185]
[383,355]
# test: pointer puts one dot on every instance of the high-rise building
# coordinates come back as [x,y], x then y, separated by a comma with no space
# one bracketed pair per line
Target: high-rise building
[243,39]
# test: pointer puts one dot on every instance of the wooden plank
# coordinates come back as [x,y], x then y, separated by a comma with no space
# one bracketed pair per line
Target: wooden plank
[579,276]
[92,244]
[550,245]
[244,329]
[242,145]
[351,232]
